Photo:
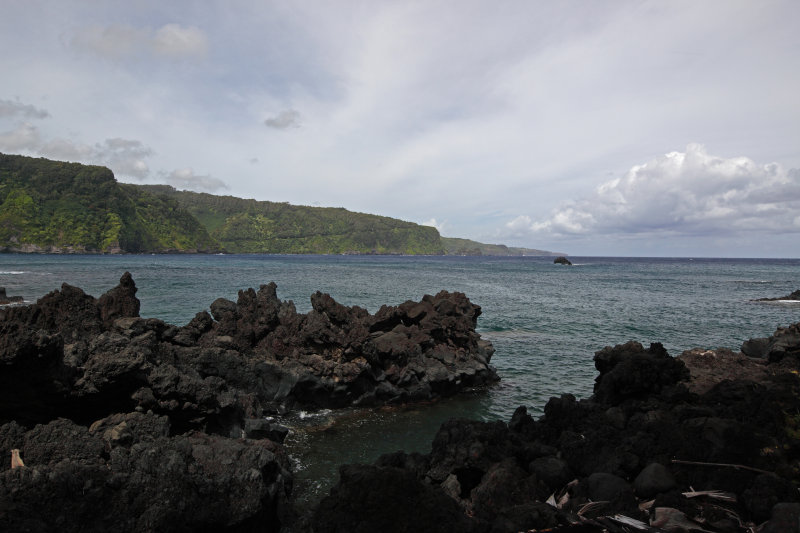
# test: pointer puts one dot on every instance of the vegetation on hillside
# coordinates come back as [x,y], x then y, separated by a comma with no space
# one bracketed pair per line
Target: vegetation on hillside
[52,206]
[247,226]
[455,246]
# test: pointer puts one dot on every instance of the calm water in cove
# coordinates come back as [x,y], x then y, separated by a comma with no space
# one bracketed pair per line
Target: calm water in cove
[545,321]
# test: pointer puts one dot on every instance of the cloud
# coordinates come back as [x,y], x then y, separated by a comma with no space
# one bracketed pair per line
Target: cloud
[689,193]
[185,178]
[284,120]
[125,157]
[176,41]
[24,137]
[111,42]
[435,224]
[9,108]
[119,41]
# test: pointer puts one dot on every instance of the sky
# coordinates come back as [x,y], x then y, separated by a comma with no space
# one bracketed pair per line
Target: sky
[632,128]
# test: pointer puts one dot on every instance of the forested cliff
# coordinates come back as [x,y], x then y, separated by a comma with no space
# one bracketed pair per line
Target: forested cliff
[58,207]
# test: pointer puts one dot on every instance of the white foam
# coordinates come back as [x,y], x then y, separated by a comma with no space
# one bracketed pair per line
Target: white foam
[314,414]
[12,272]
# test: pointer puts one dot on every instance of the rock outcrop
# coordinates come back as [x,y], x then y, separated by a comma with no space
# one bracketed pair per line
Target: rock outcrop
[5,299]
[666,442]
[73,356]
[561,260]
[795,296]
[131,424]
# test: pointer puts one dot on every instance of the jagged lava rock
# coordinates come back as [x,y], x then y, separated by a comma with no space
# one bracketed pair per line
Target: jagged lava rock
[607,455]
[70,355]
[5,299]
[125,473]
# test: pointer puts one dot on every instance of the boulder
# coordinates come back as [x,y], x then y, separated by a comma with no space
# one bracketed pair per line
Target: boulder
[654,479]
[561,260]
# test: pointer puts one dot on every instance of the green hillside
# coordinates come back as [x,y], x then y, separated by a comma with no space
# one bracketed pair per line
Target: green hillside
[248,226]
[52,206]
[56,207]
[455,246]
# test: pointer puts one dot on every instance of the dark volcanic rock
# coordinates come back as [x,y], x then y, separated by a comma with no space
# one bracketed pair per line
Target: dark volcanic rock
[126,474]
[561,260]
[5,299]
[130,424]
[630,371]
[72,356]
[793,296]
[634,449]
[119,302]
[386,499]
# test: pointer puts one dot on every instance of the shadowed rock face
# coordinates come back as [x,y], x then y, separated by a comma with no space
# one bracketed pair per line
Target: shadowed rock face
[608,454]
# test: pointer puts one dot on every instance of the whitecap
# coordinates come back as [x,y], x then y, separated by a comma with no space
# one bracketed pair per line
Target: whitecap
[12,272]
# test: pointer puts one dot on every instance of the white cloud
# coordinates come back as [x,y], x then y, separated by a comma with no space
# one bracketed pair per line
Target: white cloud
[689,193]
[185,178]
[119,41]
[284,120]
[435,224]
[11,108]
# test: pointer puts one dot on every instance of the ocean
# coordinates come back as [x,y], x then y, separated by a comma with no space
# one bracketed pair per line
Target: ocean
[545,321]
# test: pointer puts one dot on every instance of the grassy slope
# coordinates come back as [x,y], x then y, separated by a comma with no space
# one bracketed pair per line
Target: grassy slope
[246,226]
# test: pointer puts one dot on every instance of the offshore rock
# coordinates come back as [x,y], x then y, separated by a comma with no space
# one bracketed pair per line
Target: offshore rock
[790,297]
[657,432]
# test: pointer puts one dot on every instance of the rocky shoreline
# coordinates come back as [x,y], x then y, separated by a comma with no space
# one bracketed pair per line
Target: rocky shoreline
[131,424]
[707,441]
[137,425]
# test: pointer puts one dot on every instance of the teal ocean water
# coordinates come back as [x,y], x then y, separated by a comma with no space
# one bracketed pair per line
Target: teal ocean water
[545,321]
